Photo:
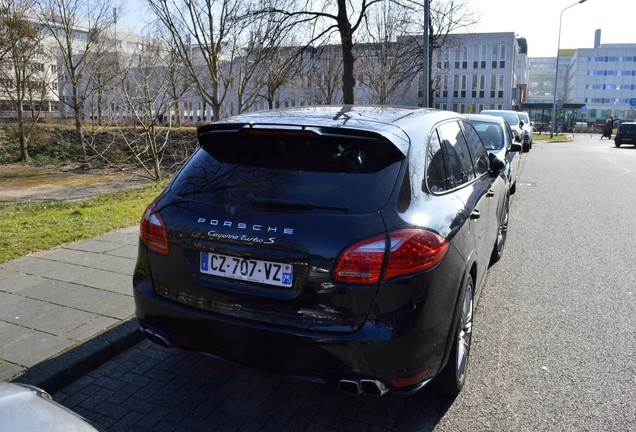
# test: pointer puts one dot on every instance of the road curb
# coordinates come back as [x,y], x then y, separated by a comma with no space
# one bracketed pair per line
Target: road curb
[57,372]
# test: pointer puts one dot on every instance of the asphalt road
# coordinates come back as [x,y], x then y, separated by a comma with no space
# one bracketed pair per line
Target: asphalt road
[554,345]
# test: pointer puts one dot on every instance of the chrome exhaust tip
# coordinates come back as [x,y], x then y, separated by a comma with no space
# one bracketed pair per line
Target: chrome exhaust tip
[373,387]
[370,387]
[157,337]
[349,386]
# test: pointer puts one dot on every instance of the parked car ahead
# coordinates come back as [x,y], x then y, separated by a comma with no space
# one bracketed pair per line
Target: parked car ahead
[345,245]
[497,136]
[626,134]
[26,408]
[512,117]
[527,130]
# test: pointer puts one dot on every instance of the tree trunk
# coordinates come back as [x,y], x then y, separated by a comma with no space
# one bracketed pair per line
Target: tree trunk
[100,111]
[151,137]
[346,38]
[24,155]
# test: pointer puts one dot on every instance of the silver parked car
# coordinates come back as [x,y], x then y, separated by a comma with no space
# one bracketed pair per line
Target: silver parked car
[528,129]
[25,408]
[516,124]
[498,139]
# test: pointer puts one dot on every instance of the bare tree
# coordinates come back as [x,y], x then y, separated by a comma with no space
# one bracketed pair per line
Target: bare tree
[201,31]
[101,83]
[323,74]
[386,65]
[343,19]
[446,17]
[23,76]
[263,60]
[179,81]
[79,29]
[146,82]
[11,25]
[276,73]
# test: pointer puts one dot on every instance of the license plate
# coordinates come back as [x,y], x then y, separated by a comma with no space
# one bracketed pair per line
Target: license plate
[265,272]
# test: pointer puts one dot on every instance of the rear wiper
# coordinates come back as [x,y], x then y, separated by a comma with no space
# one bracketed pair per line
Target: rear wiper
[276,204]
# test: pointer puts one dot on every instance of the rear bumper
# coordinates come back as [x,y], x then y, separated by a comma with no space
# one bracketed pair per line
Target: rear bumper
[410,343]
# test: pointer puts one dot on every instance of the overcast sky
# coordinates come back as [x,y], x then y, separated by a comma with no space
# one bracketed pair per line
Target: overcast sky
[536,20]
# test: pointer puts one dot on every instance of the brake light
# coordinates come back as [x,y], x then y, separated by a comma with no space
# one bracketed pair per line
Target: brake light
[414,251]
[153,231]
[362,262]
[280,133]
[410,251]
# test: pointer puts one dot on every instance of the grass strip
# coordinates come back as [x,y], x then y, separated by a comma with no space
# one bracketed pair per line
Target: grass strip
[35,226]
[555,138]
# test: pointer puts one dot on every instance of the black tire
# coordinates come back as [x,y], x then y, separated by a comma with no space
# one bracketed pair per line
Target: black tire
[617,144]
[526,148]
[453,377]
[502,232]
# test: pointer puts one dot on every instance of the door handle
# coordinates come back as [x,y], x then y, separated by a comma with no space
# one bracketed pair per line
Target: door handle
[475,214]
[491,193]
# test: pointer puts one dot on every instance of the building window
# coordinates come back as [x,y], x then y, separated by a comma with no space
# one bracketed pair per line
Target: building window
[479,86]
[441,86]
[480,52]
[497,86]
[498,56]
[462,59]
[460,85]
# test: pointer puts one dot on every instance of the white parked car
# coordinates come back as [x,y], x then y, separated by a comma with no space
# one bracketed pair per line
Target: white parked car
[528,129]
[25,408]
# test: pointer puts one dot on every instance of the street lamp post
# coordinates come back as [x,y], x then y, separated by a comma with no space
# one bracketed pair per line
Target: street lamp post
[556,74]
[426,54]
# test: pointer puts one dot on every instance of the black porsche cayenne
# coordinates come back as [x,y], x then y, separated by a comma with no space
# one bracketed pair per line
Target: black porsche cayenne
[338,244]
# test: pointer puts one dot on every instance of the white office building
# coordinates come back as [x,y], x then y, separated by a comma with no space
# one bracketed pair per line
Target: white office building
[603,79]
[593,84]
[478,71]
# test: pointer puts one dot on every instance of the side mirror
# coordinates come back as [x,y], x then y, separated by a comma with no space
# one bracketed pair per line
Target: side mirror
[496,165]
[516,147]
[521,123]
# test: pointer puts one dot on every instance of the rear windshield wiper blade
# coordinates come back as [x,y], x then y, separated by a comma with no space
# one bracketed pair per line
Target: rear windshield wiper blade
[276,204]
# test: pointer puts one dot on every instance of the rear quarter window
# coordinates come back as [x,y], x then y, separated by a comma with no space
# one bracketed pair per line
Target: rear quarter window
[477,149]
[457,158]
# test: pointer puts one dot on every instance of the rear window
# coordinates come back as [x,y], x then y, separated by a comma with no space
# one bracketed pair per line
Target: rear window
[491,134]
[511,118]
[627,127]
[349,173]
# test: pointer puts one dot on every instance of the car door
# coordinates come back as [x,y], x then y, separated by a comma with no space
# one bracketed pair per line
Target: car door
[473,191]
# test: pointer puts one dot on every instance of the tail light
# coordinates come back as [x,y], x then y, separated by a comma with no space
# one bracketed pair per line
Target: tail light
[153,231]
[409,251]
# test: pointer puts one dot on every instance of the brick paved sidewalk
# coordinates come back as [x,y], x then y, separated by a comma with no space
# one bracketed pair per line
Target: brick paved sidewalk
[55,304]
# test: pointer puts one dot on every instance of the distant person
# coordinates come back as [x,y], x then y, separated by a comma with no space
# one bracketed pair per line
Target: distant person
[607,130]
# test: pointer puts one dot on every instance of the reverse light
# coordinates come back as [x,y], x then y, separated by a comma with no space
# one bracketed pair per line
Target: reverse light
[153,231]
[410,251]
